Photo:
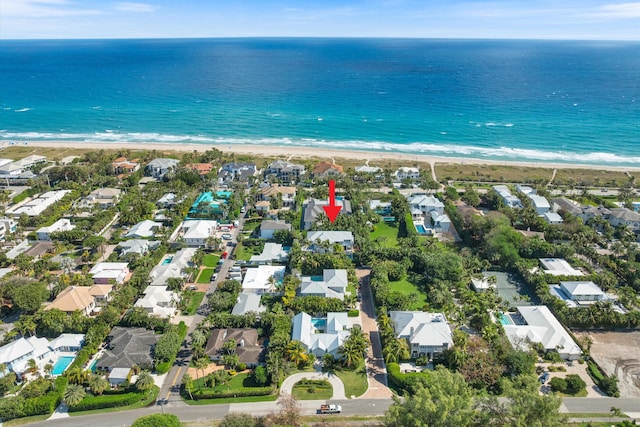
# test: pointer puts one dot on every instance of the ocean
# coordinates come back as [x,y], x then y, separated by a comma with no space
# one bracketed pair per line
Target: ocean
[534,101]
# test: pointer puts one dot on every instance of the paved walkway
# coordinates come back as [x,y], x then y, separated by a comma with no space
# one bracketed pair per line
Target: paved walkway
[376,369]
[336,383]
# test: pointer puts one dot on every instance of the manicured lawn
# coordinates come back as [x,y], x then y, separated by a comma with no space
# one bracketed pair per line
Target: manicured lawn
[249,227]
[243,253]
[238,382]
[388,232]
[407,287]
[312,390]
[205,275]
[355,382]
[244,399]
[194,303]
[211,260]
[152,396]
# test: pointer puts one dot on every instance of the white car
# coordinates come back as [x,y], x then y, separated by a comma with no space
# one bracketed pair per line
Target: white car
[226,236]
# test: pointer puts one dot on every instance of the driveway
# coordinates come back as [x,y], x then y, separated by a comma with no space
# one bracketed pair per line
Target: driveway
[336,383]
[376,368]
[573,368]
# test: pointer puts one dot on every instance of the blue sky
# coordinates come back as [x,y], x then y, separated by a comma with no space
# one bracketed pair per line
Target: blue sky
[537,19]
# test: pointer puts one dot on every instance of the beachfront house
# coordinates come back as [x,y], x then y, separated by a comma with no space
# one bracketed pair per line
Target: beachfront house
[239,171]
[284,171]
[325,170]
[63,224]
[123,166]
[321,336]
[406,173]
[158,168]
[427,333]
[508,199]
[536,324]
[325,241]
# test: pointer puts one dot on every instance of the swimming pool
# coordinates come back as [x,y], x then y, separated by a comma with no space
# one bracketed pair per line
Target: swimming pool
[92,367]
[319,323]
[167,260]
[420,229]
[62,364]
[505,319]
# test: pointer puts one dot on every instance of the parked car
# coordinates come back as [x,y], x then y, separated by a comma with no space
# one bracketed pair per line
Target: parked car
[226,236]
[214,277]
[544,377]
[330,409]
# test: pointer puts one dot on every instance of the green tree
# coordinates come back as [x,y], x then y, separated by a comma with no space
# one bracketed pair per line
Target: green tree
[29,297]
[187,381]
[144,381]
[157,420]
[98,384]
[296,352]
[238,420]
[445,400]
[73,394]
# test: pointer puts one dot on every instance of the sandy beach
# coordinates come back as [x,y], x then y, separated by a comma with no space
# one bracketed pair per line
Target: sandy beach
[308,152]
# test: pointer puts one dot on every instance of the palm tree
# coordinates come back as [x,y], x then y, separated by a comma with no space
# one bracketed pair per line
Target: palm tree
[188,384]
[32,366]
[98,384]
[144,381]
[3,369]
[201,364]
[396,349]
[74,394]
[296,352]
[198,338]
[48,369]
[76,375]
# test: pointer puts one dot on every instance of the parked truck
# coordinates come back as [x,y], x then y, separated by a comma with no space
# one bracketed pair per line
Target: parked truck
[330,409]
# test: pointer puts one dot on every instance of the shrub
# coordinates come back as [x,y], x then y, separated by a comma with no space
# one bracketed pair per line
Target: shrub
[107,401]
[157,420]
[558,384]
[238,420]
[575,384]
[353,313]
[260,375]
[241,366]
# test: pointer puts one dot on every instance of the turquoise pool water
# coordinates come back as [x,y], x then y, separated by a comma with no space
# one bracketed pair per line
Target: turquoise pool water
[420,229]
[62,364]
[505,319]
[319,323]
[92,367]
[167,260]
[224,194]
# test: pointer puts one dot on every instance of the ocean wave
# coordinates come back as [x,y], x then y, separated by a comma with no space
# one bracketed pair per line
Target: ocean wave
[416,148]
[22,110]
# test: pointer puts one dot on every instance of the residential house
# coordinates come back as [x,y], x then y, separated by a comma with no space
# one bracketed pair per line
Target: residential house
[327,170]
[324,241]
[67,343]
[427,333]
[168,201]
[144,229]
[80,298]
[625,217]
[540,204]
[269,227]
[321,336]
[440,222]
[404,173]
[262,279]
[109,272]
[422,205]
[262,207]
[103,197]
[566,205]
[201,169]
[197,232]
[17,354]
[248,303]
[508,199]
[158,168]
[285,195]
[558,267]
[552,218]
[35,207]
[177,267]
[285,171]
[240,171]
[63,224]
[158,301]
[482,284]
[7,226]
[536,324]
[590,212]
[122,166]
[578,293]
[18,167]
[128,347]
[249,348]
[313,208]
[526,190]
[272,252]
[380,207]
[368,169]
[38,249]
[332,285]
[137,246]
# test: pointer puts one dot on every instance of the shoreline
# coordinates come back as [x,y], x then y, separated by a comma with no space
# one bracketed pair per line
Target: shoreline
[308,152]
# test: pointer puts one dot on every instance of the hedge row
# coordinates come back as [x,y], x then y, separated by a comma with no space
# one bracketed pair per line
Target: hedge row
[241,392]
[107,401]
[164,367]
[18,406]
[404,381]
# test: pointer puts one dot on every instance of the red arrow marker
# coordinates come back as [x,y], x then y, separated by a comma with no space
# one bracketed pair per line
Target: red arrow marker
[332,210]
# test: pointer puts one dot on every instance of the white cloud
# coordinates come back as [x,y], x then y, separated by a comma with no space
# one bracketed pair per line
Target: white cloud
[619,10]
[135,7]
[27,9]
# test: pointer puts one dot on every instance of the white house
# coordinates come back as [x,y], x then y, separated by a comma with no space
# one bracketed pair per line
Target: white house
[196,232]
[158,168]
[333,284]
[321,335]
[35,207]
[540,204]
[103,197]
[67,343]
[16,354]
[505,194]
[536,324]
[558,267]
[426,204]
[159,301]
[380,207]
[269,227]
[272,252]
[144,229]
[175,268]
[427,333]
[7,225]
[248,303]
[63,224]
[578,293]
[258,280]
[313,208]
[137,246]
[407,173]
[552,218]
[285,171]
[440,222]
[342,238]
[626,217]
[105,272]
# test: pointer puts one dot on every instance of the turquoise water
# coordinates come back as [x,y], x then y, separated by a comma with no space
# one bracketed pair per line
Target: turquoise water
[531,101]
[167,260]
[203,197]
[420,229]
[319,323]
[92,367]
[62,364]
[505,319]
[224,194]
